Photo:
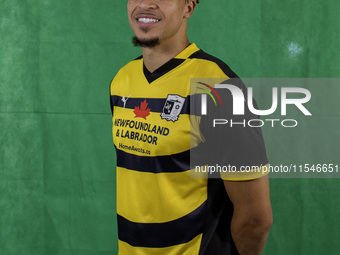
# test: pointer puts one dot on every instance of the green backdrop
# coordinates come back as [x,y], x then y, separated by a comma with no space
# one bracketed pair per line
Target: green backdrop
[57,163]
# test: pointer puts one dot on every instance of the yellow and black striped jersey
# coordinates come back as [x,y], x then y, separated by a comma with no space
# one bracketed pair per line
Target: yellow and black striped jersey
[161,209]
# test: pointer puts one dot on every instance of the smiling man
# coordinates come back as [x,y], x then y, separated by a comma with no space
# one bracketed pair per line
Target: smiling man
[161,209]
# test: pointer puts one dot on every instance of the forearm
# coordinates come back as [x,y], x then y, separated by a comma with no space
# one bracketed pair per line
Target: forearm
[250,234]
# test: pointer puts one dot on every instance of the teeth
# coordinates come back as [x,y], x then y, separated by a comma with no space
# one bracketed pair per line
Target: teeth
[147,20]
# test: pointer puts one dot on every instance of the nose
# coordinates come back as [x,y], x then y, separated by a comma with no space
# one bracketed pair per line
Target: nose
[148,4]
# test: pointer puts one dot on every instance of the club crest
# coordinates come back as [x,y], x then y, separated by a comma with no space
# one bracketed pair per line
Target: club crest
[172,107]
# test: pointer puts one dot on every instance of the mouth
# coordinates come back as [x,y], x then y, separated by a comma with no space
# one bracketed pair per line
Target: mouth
[148,20]
[144,19]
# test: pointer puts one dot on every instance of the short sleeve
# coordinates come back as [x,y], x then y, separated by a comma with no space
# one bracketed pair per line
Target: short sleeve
[234,143]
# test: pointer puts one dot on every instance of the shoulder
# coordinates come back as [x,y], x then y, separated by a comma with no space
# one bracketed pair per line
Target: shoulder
[213,62]
[129,67]
[126,70]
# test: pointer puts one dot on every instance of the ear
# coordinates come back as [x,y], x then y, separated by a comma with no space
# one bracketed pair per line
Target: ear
[189,8]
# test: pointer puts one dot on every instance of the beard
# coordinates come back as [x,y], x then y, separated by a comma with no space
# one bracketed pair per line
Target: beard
[148,43]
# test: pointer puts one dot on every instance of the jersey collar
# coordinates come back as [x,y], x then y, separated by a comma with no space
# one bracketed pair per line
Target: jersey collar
[188,51]
[171,64]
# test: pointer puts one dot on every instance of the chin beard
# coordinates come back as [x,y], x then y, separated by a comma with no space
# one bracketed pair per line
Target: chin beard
[148,43]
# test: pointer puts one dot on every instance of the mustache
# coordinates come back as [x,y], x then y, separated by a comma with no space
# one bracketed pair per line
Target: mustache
[146,13]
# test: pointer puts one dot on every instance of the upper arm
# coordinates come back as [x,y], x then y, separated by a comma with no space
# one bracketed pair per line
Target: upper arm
[250,198]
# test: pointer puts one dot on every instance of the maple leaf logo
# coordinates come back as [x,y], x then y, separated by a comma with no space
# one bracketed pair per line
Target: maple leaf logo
[142,111]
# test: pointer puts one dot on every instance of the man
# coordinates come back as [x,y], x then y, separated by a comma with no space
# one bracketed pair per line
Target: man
[161,209]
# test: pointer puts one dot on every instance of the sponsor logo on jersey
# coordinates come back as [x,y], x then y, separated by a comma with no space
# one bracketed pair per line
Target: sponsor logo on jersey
[142,111]
[125,99]
[172,107]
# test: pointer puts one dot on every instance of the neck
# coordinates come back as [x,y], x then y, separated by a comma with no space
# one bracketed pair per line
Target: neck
[157,56]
